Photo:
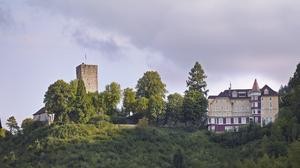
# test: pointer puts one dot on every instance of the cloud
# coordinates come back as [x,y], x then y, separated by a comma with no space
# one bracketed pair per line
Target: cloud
[227,36]
[5,16]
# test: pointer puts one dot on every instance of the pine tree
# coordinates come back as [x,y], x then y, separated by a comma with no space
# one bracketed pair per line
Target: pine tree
[195,102]
[82,111]
[12,125]
[196,79]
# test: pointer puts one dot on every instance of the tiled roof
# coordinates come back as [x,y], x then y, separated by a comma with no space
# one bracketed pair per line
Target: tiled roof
[255,87]
[41,111]
[243,93]
[271,91]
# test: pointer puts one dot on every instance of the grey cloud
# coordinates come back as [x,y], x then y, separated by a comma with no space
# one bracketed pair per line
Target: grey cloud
[106,44]
[227,36]
[5,16]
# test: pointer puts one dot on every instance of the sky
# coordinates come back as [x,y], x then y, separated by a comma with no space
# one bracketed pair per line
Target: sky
[234,41]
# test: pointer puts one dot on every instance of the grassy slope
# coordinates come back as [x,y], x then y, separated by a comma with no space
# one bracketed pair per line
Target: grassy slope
[111,146]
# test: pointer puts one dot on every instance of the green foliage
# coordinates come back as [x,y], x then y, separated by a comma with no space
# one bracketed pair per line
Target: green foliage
[150,85]
[74,86]
[12,125]
[174,107]
[178,159]
[155,108]
[196,79]
[82,109]
[29,125]
[142,105]
[129,101]
[106,145]
[294,153]
[2,133]
[58,100]
[98,102]
[195,103]
[112,97]
[143,123]
[99,119]
[195,108]
[295,80]
[26,123]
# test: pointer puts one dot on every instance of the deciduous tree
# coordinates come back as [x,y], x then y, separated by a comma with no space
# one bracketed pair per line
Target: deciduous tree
[129,101]
[155,108]
[174,108]
[150,85]
[112,97]
[58,100]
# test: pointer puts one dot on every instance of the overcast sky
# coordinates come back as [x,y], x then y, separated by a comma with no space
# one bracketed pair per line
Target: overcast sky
[235,41]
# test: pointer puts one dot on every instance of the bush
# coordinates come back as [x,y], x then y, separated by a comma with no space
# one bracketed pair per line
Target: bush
[99,118]
[2,133]
[143,123]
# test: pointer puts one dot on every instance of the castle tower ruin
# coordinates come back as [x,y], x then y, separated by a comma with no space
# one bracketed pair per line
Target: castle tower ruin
[89,75]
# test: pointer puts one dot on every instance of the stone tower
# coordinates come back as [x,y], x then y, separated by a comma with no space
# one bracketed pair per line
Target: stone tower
[89,75]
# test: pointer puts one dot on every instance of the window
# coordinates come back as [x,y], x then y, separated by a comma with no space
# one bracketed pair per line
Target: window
[212,128]
[243,120]
[256,119]
[228,120]
[212,120]
[234,94]
[236,120]
[220,120]
[228,128]
[255,97]
[266,91]
[255,104]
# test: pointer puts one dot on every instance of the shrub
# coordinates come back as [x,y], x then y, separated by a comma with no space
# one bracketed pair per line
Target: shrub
[2,133]
[143,123]
[99,118]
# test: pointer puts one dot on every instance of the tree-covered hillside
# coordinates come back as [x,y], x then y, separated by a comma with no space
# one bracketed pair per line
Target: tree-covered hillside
[107,145]
[168,134]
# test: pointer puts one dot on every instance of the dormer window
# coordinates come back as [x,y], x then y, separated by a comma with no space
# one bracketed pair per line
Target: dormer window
[266,91]
[234,94]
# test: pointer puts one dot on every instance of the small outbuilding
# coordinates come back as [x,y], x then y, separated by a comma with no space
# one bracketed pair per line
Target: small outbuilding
[42,115]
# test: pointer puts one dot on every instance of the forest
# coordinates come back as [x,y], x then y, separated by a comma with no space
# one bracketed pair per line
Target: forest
[153,128]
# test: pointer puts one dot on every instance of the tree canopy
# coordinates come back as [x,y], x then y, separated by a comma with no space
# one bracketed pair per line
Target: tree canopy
[112,97]
[58,100]
[12,125]
[150,85]
[174,107]
[195,102]
[129,101]
[196,80]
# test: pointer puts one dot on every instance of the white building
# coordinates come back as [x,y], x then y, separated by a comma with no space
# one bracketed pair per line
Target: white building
[43,116]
